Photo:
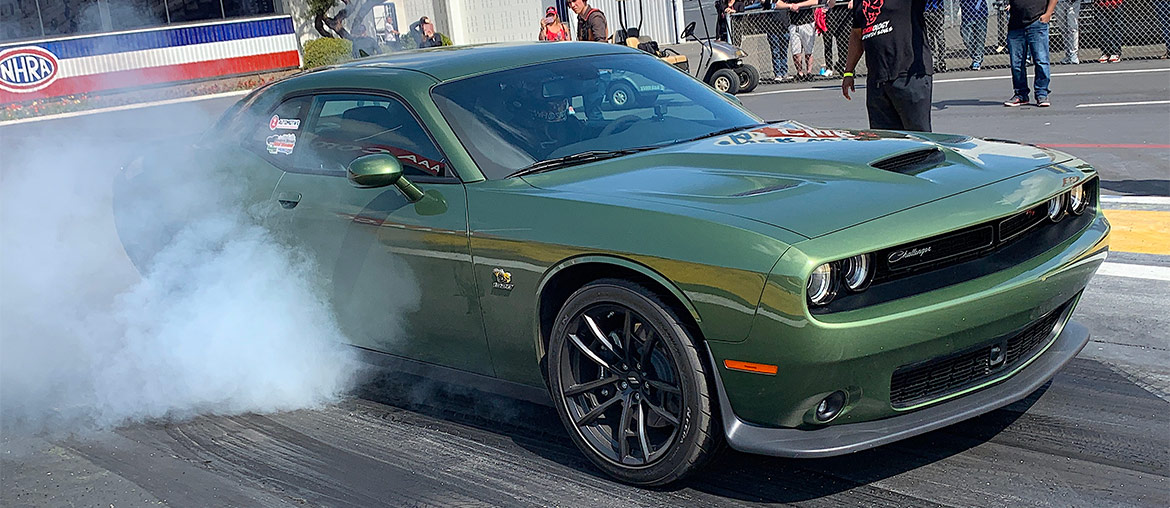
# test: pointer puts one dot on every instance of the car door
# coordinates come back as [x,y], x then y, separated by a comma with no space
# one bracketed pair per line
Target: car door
[398,273]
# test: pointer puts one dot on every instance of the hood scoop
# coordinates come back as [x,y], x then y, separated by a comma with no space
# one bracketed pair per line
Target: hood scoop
[913,162]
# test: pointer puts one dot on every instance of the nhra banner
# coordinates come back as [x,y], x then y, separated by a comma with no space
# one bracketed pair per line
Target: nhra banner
[83,64]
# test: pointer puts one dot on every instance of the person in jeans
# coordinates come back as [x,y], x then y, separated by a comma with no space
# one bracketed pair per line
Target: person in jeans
[936,40]
[973,29]
[1067,15]
[1109,13]
[775,24]
[890,33]
[1028,36]
[1163,12]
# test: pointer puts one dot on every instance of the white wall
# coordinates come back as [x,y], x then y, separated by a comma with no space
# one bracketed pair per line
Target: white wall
[480,21]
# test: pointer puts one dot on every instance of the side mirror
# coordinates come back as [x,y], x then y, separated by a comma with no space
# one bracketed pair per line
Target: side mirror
[380,170]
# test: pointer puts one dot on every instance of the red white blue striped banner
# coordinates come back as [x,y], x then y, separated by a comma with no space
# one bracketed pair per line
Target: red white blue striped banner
[84,64]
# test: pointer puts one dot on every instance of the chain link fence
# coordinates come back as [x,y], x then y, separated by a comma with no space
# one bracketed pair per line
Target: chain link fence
[962,35]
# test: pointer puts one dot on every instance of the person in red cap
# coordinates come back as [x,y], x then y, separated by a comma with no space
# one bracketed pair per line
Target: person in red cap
[551,28]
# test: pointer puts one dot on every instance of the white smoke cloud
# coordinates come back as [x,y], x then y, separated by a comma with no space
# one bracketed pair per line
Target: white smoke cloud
[225,319]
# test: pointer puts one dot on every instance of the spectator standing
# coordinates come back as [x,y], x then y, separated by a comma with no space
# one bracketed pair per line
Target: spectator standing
[973,29]
[591,24]
[1001,21]
[838,21]
[724,8]
[891,35]
[1163,12]
[935,17]
[551,28]
[1068,14]
[775,24]
[802,34]
[1109,12]
[1028,37]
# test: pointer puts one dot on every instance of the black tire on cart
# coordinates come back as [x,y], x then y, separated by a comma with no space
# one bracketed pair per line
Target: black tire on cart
[749,78]
[724,80]
[627,379]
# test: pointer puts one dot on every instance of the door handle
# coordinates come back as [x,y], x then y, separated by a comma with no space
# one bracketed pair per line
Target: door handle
[288,200]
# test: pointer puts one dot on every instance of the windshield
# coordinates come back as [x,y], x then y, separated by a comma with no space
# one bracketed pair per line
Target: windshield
[510,120]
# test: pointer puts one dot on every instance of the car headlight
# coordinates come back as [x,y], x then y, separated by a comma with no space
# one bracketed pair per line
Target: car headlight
[856,272]
[822,284]
[1078,199]
[1056,208]
[739,53]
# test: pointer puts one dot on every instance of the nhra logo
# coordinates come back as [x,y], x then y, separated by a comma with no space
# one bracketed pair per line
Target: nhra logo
[27,69]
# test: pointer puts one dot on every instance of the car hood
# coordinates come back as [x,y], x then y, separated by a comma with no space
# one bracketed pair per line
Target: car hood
[806,180]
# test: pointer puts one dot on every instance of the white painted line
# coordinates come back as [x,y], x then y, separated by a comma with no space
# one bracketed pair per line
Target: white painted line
[126,107]
[1161,273]
[1056,74]
[962,80]
[1135,200]
[1105,104]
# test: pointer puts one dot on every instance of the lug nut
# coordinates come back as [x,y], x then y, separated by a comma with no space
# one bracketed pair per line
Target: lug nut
[624,385]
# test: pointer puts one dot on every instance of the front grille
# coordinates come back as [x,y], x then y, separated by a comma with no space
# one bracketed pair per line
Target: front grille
[922,382]
[1020,223]
[963,255]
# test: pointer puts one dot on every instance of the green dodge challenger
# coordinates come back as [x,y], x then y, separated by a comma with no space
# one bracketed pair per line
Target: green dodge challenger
[672,271]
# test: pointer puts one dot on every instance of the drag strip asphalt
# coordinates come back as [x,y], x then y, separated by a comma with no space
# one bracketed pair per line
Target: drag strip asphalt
[1094,436]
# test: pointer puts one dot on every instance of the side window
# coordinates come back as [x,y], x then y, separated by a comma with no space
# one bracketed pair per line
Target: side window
[275,136]
[343,127]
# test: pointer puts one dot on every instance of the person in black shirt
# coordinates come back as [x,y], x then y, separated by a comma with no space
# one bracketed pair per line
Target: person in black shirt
[722,9]
[898,89]
[1028,35]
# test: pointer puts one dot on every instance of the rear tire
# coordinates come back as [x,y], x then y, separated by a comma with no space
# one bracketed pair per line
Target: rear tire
[628,383]
[749,78]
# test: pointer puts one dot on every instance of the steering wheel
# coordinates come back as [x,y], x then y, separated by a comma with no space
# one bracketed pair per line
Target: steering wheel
[687,32]
[621,124]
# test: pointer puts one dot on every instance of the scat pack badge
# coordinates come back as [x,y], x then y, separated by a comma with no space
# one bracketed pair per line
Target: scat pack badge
[503,280]
[281,143]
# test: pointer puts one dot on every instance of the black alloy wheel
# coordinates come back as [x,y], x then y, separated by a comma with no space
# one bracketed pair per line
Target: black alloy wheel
[628,384]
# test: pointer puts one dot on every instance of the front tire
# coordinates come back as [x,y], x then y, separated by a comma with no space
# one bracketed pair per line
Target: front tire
[628,383]
[725,80]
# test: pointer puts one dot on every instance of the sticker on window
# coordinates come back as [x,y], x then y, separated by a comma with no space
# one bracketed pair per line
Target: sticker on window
[281,143]
[283,123]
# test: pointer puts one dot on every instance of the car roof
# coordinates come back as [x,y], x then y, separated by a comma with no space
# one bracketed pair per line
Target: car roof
[454,62]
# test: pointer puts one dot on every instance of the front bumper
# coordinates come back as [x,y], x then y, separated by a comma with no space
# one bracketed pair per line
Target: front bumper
[847,438]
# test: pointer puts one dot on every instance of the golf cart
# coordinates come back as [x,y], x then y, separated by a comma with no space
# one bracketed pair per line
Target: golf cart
[716,63]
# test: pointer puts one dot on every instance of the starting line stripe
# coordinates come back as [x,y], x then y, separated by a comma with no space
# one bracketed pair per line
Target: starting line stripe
[1135,200]
[1104,104]
[1133,271]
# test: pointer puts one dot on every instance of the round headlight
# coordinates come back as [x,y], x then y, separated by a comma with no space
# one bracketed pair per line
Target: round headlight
[856,272]
[822,286]
[1078,200]
[1056,208]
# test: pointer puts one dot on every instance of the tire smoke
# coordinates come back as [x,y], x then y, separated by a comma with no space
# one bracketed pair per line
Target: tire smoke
[225,319]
